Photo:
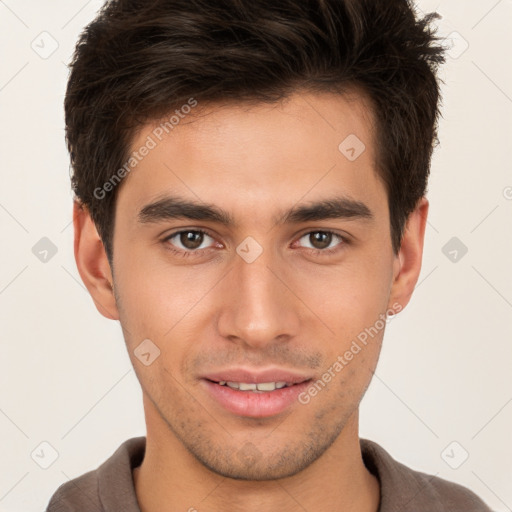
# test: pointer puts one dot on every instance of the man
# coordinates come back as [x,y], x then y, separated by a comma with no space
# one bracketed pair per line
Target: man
[250,204]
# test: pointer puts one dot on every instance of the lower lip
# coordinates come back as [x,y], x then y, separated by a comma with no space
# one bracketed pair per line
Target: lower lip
[255,405]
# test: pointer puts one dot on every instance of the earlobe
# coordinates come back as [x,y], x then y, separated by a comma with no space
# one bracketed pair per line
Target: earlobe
[92,262]
[407,265]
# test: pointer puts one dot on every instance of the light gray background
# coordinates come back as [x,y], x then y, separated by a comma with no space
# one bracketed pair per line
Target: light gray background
[445,371]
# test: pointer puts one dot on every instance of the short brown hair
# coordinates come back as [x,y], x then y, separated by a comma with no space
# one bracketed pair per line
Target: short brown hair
[138,60]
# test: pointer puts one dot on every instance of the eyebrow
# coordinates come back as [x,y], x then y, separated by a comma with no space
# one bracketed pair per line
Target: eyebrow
[174,207]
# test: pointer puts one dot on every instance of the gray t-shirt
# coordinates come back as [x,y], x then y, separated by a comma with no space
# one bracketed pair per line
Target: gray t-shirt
[110,487]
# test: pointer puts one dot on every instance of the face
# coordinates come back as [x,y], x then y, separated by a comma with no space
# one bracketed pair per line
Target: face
[282,267]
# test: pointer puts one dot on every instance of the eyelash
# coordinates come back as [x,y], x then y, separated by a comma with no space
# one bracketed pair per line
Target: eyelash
[181,253]
[197,252]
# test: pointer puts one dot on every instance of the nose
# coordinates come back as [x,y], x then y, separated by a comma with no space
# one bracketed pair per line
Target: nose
[258,304]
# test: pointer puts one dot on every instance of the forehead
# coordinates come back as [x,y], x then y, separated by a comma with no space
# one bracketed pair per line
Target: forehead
[250,157]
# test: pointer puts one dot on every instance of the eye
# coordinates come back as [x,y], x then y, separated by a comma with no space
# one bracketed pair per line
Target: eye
[320,241]
[189,240]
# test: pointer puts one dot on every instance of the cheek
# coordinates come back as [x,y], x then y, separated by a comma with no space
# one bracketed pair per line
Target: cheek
[351,301]
[155,295]
[347,297]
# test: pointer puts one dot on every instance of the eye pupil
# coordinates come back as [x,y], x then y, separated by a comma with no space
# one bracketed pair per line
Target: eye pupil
[320,239]
[191,239]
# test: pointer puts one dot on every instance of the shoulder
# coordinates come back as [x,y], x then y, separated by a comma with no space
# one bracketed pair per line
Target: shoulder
[456,497]
[108,488]
[75,494]
[403,487]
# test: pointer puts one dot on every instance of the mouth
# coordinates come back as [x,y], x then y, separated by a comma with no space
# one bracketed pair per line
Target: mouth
[255,399]
[255,387]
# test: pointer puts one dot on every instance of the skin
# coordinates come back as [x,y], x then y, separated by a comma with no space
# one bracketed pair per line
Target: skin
[289,308]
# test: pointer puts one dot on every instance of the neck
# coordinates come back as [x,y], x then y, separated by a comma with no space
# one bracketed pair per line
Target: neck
[170,479]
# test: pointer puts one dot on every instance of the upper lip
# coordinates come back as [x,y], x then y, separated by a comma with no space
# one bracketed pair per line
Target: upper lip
[257,376]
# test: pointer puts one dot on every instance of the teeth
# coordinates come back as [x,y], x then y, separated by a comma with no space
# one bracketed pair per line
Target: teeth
[246,387]
[265,386]
[261,386]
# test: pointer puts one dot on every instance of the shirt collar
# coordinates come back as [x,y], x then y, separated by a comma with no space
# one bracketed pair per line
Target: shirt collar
[400,487]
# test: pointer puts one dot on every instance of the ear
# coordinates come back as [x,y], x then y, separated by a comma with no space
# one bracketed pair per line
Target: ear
[92,262]
[407,264]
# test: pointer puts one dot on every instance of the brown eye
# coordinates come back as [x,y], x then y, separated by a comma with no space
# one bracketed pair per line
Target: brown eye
[189,240]
[321,240]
